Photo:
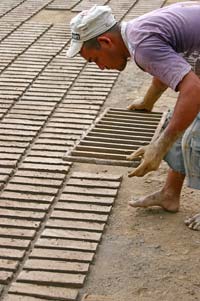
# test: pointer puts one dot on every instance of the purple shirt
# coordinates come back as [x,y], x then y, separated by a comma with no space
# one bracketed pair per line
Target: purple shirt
[157,40]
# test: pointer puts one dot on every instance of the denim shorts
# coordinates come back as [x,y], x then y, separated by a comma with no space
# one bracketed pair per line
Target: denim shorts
[184,155]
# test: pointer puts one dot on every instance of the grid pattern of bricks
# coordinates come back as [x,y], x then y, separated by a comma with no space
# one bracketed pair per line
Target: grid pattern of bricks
[62,4]
[69,239]
[51,223]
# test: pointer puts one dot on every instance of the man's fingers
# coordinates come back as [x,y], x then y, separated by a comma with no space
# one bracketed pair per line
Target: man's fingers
[140,171]
[137,153]
[131,107]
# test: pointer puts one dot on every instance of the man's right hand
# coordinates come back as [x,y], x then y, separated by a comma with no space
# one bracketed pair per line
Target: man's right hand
[138,104]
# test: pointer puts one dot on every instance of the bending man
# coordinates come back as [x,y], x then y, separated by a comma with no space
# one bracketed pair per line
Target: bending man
[162,43]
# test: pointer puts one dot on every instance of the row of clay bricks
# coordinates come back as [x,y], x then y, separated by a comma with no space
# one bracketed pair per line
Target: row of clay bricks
[20,14]
[20,128]
[7,6]
[67,244]
[63,4]
[65,125]
[20,40]
[20,75]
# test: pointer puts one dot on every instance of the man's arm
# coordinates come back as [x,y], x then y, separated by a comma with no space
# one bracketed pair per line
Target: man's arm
[154,92]
[186,109]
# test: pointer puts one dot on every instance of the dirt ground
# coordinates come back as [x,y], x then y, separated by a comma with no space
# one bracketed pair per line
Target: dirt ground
[145,254]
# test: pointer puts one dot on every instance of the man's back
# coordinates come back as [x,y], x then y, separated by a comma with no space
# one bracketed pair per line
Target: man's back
[156,39]
[177,24]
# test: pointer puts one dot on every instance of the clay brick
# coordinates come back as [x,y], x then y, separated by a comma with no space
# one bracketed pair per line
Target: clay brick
[60,148]
[23,205]
[46,161]
[52,278]
[13,297]
[46,167]
[87,199]
[14,242]
[47,153]
[61,255]
[31,189]
[54,292]
[10,156]
[16,232]
[8,163]
[93,183]
[36,181]
[8,264]
[4,178]
[81,216]
[66,224]
[67,244]
[27,196]
[71,234]
[51,141]
[21,214]
[5,276]
[90,191]
[56,265]
[83,207]
[5,171]
[24,116]
[19,223]
[41,175]
[11,253]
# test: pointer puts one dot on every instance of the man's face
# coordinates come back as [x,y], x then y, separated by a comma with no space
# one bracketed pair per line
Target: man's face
[108,56]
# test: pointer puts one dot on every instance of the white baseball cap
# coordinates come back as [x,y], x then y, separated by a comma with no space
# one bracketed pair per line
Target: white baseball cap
[89,24]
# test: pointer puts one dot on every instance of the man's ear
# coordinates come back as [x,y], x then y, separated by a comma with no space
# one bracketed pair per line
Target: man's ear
[104,40]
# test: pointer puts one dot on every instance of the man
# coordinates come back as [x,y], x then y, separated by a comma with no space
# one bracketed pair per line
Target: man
[160,43]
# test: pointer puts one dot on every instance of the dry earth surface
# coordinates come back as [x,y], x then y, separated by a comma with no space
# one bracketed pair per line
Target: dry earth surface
[145,254]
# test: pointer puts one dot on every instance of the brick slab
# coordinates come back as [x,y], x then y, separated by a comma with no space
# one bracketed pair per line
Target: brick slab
[5,276]
[87,199]
[8,264]
[13,297]
[11,253]
[54,292]
[56,265]
[14,242]
[61,255]
[90,191]
[72,234]
[68,224]
[67,244]
[83,207]
[52,278]
[82,216]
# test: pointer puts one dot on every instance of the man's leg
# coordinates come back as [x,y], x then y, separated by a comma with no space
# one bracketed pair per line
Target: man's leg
[168,197]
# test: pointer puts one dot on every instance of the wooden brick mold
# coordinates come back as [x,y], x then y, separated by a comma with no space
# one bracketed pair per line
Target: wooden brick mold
[116,134]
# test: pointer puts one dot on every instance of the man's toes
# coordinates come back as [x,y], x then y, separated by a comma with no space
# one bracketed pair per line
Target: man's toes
[193,222]
[194,226]
[189,221]
[135,203]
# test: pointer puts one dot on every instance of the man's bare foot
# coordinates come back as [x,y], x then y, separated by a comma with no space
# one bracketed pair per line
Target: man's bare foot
[193,222]
[166,200]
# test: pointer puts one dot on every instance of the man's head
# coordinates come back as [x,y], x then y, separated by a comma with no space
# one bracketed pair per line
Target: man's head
[96,35]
